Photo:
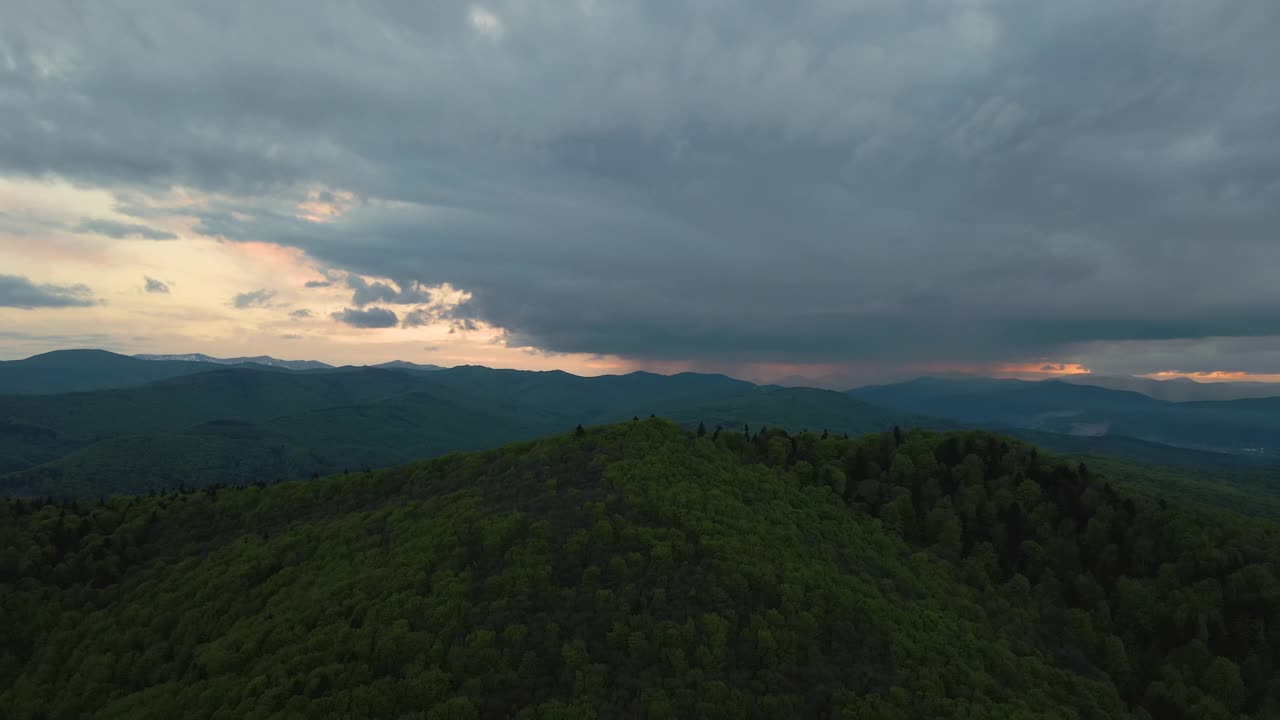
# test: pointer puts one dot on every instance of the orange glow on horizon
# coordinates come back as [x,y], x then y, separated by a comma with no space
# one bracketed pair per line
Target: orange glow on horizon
[1214,376]
[1023,370]
[1039,370]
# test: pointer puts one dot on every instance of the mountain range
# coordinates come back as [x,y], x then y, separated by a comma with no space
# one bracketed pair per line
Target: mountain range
[91,422]
[269,361]
[242,423]
[256,360]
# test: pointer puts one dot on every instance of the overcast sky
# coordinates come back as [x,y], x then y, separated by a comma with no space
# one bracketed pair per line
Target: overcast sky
[832,191]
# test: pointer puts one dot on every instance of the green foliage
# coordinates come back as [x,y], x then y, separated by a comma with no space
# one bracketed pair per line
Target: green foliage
[639,570]
[1253,492]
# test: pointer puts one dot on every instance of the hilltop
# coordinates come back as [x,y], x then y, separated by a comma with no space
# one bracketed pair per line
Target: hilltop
[640,570]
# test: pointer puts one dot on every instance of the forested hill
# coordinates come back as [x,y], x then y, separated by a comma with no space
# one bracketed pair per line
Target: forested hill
[641,570]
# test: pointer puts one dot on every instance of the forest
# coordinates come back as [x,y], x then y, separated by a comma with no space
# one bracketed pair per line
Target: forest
[644,569]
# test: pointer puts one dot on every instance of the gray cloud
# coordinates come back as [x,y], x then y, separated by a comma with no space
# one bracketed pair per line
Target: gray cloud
[319,283]
[25,223]
[121,230]
[366,293]
[155,286]
[301,314]
[253,299]
[418,317]
[375,317]
[875,182]
[19,292]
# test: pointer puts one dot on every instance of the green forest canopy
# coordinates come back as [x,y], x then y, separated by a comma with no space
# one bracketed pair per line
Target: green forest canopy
[639,570]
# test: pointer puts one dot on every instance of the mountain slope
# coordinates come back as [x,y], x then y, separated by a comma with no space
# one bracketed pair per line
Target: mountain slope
[65,371]
[1247,426]
[796,409]
[240,393]
[1178,389]
[324,441]
[638,570]
[565,397]
[40,429]
[1013,402]
[1243,427]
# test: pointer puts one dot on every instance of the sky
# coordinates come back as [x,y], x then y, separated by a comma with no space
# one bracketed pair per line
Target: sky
[829,192]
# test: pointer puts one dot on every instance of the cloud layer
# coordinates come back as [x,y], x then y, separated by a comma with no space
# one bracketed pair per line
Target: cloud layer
[120,230]
[372,318]
[253,299]
[19,292]
[864,183]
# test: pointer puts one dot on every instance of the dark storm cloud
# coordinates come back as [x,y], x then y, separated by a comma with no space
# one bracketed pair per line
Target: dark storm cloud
[19,292]
[372,318]
[880,181]
[120,230]
[253,299]
[155,286]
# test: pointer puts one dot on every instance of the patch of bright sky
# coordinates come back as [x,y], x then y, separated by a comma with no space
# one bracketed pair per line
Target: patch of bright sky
[40,240]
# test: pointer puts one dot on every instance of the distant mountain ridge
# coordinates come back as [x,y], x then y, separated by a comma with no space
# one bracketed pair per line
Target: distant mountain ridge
[170,422]
[87,370]
[1249,426]
[404,365]
[274,362]
[243,423]
[256,360]
[64,371]
[1177,389]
